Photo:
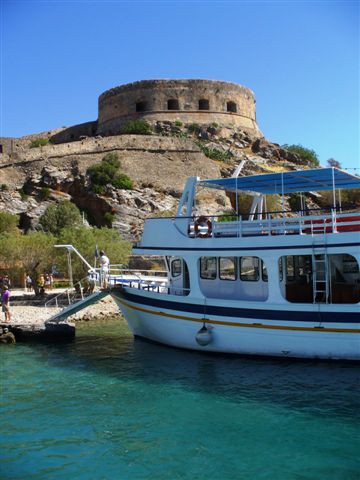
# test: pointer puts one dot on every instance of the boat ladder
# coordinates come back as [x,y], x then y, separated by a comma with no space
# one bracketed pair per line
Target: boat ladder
[320,274]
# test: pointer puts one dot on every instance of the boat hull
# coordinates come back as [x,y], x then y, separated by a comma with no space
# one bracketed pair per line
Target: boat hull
[270,332]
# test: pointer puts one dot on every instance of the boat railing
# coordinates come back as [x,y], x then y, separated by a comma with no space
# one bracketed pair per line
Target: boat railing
[314,222]
[118,274]
[73,294]
[158,287]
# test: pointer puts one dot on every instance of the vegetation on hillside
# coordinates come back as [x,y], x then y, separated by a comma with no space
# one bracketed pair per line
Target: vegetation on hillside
[108,172]
[8,223]
[307,156]
[136,127]
[39,142]
[215,153]
[59,216]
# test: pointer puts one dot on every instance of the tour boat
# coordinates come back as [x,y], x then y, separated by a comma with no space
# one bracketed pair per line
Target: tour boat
[282,284]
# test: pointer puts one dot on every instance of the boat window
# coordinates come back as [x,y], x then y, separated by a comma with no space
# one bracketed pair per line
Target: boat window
[203,104]
[290,269]
[344,278]
[304,266]
[264,274]
[231,107]
[173,104]
[176,268]
[249,269]
[208,270]
[227,268]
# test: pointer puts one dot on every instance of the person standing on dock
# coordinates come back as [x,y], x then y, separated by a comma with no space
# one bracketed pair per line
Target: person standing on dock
[5,302]
[104,269]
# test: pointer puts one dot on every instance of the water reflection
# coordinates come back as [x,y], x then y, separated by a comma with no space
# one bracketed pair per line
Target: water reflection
[315,387]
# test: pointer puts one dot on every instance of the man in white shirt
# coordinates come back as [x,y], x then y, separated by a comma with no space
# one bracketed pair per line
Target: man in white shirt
[104,269]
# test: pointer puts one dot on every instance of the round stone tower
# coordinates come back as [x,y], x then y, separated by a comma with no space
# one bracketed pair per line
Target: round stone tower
[188,101]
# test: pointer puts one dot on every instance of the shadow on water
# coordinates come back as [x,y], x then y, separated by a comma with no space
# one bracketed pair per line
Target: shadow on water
[317,387]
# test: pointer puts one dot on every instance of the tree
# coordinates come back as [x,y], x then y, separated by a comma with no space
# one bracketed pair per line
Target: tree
[8,223]
[59,216]
[108,173]
[32,254]
[306,155]
[85,240]
[333,163]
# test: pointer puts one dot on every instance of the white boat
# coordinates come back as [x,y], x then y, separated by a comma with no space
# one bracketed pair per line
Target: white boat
[282,284]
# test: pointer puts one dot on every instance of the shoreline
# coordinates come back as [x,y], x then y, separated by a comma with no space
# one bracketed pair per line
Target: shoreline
[28,321]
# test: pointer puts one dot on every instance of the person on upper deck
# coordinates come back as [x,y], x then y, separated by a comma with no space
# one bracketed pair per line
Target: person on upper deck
[104,269]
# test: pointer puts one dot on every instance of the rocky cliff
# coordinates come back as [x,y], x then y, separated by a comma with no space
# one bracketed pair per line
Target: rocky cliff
[158,164]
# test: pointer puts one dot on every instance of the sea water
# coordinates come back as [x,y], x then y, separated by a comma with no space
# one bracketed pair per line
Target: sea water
[106,406]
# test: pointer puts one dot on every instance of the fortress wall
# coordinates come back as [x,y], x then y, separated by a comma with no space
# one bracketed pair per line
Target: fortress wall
[74,133]
[126,143]
[192,101]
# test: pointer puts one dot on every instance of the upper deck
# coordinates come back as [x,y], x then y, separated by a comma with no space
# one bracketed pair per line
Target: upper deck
[189,233]
[187,230]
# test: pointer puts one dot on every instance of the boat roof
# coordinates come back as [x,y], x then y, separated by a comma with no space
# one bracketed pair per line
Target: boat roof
[318,179]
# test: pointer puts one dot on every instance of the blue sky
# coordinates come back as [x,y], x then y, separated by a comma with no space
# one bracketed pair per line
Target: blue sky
[301,59]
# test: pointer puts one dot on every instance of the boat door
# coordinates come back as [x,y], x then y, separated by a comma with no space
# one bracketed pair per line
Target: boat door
[179,277]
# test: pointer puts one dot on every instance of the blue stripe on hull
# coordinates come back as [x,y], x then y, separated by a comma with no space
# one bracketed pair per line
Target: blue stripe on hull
[240,248]
[260,314]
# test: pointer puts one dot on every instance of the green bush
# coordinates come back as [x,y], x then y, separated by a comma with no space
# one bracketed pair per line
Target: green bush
[137,127]
[307,156]
[4,187]
[24,196]
[39,142]
[193,127]
[44,193]
[109,218]
[178,123]
[112,158]
[123,181]
[214,153]
[228,216]
[59,216]
[8,223]
[107,173]
[295,202]
[350,199]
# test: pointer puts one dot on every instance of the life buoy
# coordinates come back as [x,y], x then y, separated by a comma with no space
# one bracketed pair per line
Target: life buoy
[203,227]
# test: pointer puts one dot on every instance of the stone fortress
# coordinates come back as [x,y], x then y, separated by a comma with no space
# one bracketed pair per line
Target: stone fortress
[190,120]
[188,101]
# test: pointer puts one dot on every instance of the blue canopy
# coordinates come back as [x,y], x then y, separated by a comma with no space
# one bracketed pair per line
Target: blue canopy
[287,182]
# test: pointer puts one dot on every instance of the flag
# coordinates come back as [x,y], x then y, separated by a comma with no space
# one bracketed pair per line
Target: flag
[97,255]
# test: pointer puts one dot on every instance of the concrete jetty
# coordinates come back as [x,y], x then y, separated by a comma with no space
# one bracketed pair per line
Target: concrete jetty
[31,320]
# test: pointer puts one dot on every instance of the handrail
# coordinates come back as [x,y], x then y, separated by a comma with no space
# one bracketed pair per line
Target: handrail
[68,291]
[159,288]
[311,224]
[234,214]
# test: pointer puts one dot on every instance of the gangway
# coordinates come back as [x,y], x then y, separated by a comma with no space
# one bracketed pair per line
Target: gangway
[76,307]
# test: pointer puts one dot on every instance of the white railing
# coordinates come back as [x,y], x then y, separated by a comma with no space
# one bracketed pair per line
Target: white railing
[118,274]
[300,225]
[72,294]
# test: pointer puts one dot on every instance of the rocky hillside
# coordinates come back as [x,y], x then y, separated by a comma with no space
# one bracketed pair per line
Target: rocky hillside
[158,164]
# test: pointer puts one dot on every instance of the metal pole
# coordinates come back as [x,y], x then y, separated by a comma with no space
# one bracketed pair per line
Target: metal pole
[333,186]
[70,269]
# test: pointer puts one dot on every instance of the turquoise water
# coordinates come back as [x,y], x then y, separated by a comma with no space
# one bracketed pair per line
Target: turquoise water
[108,407]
